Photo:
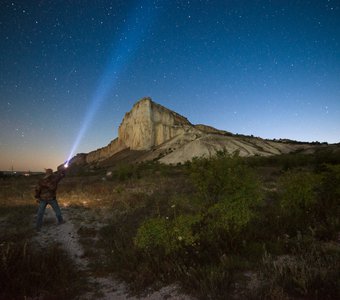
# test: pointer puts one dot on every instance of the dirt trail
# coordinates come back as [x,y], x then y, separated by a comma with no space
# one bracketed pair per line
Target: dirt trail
[105,288]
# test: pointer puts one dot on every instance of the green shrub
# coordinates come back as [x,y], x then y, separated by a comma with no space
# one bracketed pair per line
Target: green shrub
[126,171]
[298,192]
[227,218]
[311,200]
[229,193]
[217,176]
[167,236]
[183,230]
[222,175]
[298,200]
[153,234]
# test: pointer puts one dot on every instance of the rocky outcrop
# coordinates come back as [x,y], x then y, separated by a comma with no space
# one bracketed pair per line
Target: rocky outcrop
[161,134]
[147,125]
[102,153]
[210,129]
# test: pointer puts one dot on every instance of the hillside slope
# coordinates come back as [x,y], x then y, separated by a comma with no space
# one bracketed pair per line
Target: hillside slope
[153,132]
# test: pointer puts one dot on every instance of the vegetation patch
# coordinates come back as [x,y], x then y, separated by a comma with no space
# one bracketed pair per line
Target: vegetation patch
[26,271]
[220,228]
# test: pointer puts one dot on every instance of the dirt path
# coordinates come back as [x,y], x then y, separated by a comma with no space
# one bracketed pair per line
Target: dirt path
[105,288]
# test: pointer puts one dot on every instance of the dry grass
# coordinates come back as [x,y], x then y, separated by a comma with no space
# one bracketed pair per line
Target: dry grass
[26,270]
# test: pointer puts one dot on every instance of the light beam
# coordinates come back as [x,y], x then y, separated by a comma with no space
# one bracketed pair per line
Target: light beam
[137,26]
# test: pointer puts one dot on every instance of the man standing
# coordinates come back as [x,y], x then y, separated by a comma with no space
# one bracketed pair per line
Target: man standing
[45,193]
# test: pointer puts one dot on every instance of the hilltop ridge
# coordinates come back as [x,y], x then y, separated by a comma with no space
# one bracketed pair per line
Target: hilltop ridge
[150,131]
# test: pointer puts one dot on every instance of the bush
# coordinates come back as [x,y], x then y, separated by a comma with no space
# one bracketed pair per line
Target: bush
[153,234]
[298,198]
[311,201]
[229,193]
[217,176]
[227,218]
[167,236]
[128,171]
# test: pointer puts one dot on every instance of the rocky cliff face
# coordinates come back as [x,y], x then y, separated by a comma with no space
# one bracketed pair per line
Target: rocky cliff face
[158,133]
[102,153]
[147,125]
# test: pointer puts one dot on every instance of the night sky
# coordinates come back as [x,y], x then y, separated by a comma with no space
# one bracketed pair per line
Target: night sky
[70,70]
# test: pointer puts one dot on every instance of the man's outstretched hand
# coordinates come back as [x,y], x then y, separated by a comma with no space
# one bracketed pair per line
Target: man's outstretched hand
[62,169]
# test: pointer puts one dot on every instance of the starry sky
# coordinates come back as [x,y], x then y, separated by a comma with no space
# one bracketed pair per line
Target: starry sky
[70,70]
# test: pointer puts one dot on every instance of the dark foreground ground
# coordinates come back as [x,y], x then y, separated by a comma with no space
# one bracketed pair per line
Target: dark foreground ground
[223,228]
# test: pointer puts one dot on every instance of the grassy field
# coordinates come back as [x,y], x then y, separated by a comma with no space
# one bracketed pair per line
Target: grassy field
[220,228]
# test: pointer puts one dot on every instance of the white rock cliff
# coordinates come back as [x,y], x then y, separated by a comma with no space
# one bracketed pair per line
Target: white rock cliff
[148,124]
[164,135]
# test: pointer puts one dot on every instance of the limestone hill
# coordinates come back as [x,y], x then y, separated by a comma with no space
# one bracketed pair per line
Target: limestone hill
[152,132]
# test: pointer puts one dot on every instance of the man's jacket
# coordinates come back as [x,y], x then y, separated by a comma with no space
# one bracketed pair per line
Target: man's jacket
[47,186]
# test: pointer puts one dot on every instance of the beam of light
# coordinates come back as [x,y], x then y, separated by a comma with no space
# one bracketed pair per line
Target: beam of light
[137,27]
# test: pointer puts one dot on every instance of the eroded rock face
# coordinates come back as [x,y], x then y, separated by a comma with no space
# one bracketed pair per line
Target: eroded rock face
[105,152]
[172,139]
[149,124]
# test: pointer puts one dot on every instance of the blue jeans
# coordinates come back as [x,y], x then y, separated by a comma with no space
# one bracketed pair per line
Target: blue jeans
[41,210]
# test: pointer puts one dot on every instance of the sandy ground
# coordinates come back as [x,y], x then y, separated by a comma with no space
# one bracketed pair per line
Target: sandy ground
[101,287]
